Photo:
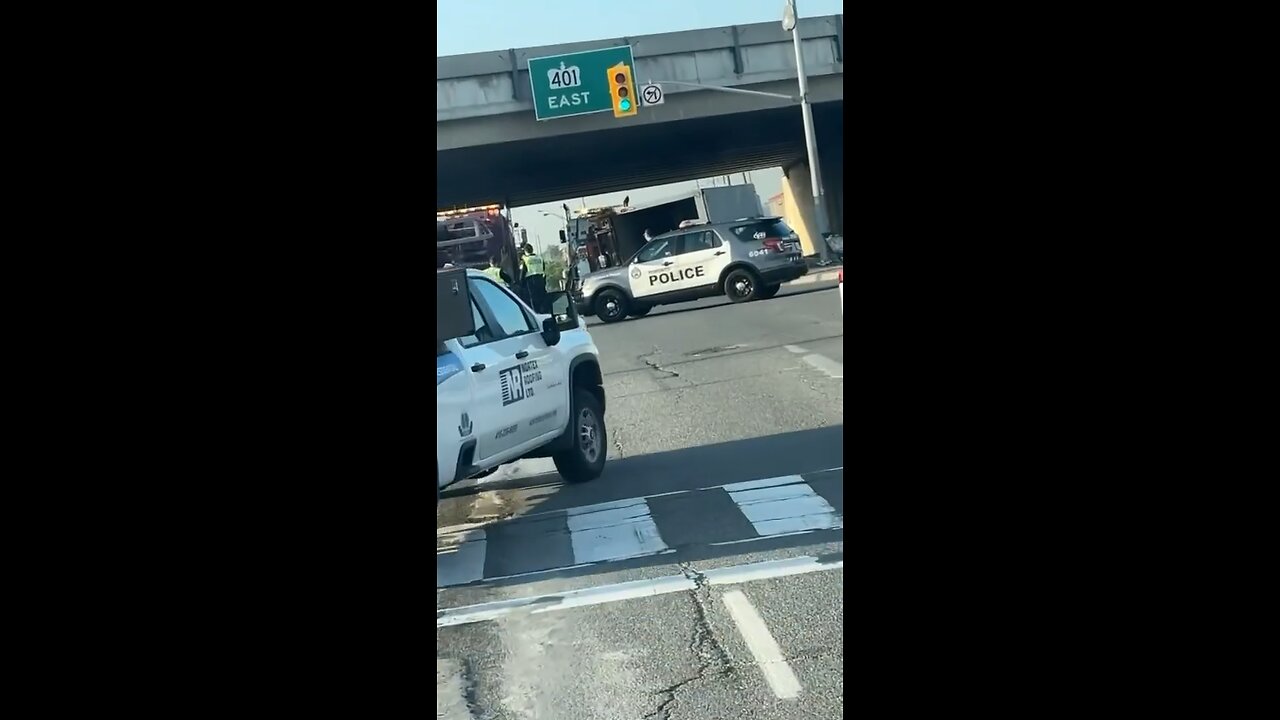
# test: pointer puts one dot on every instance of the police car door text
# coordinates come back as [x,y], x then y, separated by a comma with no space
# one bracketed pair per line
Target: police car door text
[672,276]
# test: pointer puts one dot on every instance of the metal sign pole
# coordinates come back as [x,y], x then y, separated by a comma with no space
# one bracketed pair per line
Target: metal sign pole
[791,17]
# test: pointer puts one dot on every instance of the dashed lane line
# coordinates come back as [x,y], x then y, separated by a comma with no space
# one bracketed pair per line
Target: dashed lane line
[825,365]
[821,363]
[768,656]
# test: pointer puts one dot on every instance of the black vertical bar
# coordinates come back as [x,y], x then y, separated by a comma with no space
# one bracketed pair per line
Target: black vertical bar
[737,51]
[515,75]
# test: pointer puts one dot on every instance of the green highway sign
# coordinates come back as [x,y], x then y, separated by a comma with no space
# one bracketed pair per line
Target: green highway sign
[575,84]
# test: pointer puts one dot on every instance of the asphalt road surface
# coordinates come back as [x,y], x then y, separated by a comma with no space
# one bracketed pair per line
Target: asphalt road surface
[702,576]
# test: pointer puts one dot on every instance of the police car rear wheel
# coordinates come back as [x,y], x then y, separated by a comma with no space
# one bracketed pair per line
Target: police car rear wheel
[611,306]
[741,286]
[640,311]
[585,460]
[769,291]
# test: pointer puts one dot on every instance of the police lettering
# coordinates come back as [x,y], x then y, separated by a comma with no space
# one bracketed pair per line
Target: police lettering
[667,277]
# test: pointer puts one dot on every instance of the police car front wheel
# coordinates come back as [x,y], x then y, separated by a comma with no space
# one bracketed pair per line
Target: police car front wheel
[611,306]
[742,285]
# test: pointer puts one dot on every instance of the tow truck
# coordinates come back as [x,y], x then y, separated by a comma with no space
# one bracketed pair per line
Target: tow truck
[513,384]
[469,237]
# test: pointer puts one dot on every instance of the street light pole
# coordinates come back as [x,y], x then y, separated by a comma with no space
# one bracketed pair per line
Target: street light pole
[791,21]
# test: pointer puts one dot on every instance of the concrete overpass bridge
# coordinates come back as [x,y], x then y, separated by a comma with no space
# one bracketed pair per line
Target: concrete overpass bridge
[490,148]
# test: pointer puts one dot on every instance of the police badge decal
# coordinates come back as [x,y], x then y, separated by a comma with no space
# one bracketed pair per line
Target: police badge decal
[635,273]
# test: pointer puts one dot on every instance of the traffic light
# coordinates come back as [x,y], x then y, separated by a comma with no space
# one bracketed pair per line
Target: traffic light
[622,91]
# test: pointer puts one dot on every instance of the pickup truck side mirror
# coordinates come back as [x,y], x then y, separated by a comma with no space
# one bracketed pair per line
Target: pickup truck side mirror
[550,332]
[563,312]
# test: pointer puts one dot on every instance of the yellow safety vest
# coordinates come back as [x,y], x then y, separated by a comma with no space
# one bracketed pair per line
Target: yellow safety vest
[532,265]
[493,272]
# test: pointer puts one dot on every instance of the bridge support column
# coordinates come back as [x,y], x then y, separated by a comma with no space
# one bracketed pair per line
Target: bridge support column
[797,202]
[831,165]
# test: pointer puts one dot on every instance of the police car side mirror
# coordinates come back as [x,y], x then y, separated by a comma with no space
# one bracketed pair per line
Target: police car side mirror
[550,332]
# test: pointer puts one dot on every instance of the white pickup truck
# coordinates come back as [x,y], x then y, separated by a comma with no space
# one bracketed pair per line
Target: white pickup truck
[513,384]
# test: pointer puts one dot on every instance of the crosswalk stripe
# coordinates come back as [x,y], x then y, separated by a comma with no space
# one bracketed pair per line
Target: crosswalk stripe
[784,509]
[558,540]
[763,483]
[614,533]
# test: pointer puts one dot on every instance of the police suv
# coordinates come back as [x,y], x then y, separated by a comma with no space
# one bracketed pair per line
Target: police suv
[744,260]
[511,384]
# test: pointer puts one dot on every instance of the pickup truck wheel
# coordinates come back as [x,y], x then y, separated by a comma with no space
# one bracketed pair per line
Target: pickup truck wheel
[742,285]
[585,460]
[611,306]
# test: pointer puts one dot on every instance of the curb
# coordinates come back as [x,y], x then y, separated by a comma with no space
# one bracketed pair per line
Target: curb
[827,274]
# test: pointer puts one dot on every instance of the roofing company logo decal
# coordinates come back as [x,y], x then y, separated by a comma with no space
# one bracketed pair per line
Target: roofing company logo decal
[512,383]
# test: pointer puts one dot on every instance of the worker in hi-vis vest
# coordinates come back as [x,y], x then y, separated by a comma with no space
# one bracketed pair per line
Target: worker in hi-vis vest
[535,283]
[494,271]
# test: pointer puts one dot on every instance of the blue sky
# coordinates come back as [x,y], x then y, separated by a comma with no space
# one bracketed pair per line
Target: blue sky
[467,26]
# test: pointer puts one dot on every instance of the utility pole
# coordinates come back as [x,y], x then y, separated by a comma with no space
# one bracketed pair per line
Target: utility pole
[790,21]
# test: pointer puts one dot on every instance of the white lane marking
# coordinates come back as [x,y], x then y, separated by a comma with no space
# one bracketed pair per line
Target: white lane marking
[586,509]
[537,572]
[782,681]
[763,483]
[816,520]
[625,503]
[756,496]
[785,509]
[796,349]
[617,531]
[762,537]
[550,602]
[559,601]
[735,574]
[463,563]
[606,594]
[825,365]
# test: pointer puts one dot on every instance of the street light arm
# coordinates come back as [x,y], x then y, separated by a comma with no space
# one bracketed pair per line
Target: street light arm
[791,98]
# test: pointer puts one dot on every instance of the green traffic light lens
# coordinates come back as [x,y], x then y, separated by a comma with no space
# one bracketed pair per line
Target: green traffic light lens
[625,104]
